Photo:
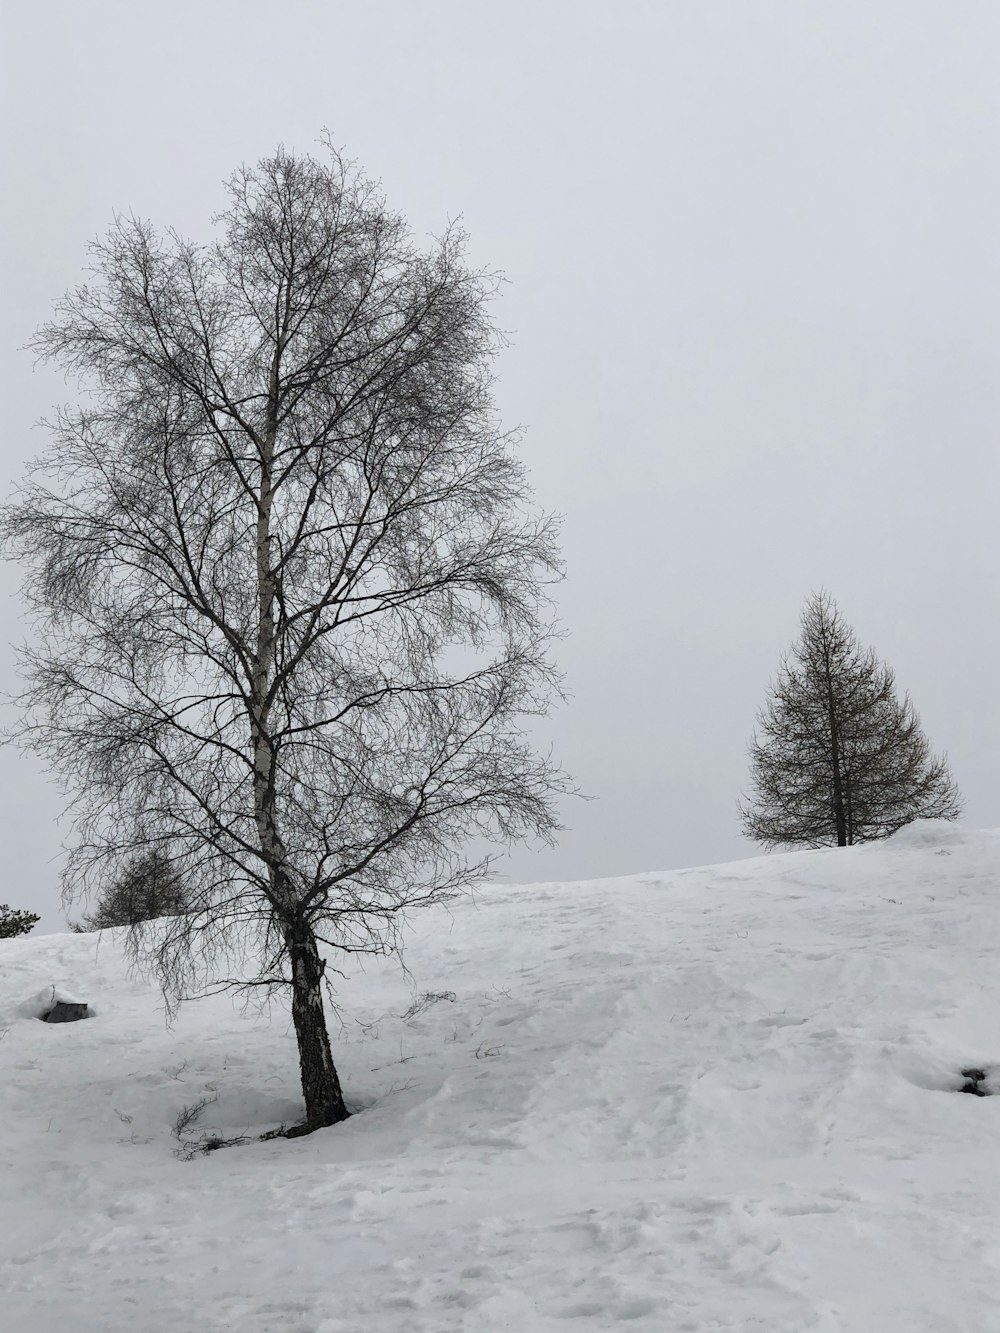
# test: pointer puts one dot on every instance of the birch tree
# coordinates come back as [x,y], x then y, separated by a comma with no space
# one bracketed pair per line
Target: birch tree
[839,756]
[288,585]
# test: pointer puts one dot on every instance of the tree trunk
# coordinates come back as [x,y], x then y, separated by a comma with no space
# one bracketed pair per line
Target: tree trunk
[839,810]
[849,806]
[320,1083]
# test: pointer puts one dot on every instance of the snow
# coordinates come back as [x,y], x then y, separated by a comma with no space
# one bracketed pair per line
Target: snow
[714,1099]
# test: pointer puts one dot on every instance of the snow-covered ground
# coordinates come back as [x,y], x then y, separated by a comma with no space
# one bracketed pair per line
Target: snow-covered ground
[715,1099]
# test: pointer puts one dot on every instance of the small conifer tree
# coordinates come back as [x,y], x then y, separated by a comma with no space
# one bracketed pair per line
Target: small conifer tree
[14,922]
[148,887]
[838,756]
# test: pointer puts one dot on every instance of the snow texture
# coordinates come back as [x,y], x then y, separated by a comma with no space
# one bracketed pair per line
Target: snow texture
[715,1099]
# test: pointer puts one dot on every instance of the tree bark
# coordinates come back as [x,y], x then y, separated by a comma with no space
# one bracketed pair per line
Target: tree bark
[320,1082]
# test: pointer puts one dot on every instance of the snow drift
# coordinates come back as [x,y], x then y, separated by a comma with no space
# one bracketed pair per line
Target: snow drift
[713,1099]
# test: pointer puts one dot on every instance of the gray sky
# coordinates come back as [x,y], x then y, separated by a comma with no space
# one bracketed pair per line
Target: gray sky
[754,263]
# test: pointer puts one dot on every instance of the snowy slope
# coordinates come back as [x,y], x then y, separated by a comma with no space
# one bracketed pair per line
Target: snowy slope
[716,1099]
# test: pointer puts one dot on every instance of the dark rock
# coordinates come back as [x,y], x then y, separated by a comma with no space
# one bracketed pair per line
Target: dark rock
[65,1012]
[976,1078]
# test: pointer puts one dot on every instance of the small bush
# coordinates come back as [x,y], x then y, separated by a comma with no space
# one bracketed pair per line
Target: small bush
[16,923]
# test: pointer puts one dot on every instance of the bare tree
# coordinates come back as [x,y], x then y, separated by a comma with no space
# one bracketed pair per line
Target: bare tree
[838,756]
[289,589]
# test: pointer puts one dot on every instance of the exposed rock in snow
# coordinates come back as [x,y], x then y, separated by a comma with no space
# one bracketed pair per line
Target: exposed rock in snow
[43,1002]
[65,1011]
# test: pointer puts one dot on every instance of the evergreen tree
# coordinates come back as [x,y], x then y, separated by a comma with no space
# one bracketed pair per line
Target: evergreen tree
[146,888]
[838,756]
[13,922]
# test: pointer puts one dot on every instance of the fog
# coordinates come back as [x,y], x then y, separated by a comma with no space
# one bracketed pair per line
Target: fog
[753,301]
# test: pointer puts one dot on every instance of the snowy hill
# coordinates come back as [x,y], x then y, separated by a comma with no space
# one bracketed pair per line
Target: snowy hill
[715,1099]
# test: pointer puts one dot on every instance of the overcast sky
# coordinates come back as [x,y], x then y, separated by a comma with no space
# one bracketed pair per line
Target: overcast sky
[753,253]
